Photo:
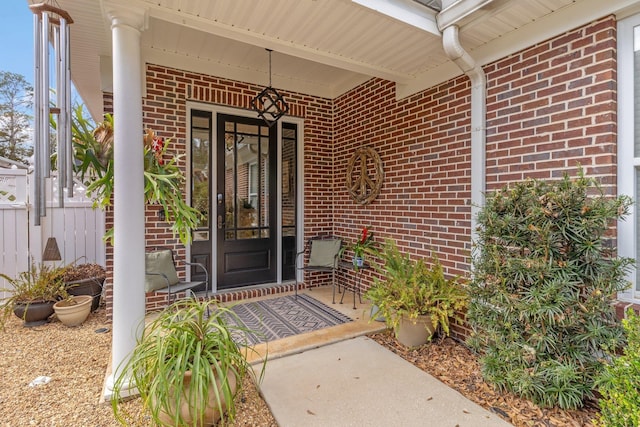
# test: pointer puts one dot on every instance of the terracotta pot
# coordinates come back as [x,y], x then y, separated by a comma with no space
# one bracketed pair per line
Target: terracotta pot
[212,414]
[34,313]
[91,286]
[414,332]
[73,314]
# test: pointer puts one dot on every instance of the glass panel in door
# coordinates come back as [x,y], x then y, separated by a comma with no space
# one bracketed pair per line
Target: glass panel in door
[245,208]
[201,131]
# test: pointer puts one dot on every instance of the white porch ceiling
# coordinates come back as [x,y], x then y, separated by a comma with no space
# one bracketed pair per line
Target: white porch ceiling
[320,47]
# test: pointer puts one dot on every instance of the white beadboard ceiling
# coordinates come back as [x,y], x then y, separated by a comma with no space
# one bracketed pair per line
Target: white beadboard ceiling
[320,47]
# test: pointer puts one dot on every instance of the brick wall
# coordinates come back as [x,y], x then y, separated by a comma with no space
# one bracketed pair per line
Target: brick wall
[424,144]
[549,107]
[552,106]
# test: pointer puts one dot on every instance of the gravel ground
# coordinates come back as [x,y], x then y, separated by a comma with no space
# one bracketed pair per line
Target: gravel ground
[76,361]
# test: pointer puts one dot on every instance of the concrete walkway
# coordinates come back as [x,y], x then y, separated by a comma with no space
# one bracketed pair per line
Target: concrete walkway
[338,377]
[358,382]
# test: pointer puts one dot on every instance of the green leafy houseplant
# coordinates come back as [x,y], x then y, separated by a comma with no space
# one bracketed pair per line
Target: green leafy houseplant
[544,278]
[41,283]
[163,179]
[619,383]
[179,357]
[411,289]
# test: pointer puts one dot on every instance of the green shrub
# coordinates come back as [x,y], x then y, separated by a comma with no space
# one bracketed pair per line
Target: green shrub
[620,382]
[545,274]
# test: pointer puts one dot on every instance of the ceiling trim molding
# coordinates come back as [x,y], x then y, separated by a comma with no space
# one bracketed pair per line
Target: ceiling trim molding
[283,46]
[457,11]
[405,11]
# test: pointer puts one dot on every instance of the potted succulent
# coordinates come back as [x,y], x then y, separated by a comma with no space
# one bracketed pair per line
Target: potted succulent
[415,299]
[32,294]
[85,279]
[186,366]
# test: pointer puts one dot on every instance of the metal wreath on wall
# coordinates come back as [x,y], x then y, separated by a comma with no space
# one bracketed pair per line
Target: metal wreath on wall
[364,175]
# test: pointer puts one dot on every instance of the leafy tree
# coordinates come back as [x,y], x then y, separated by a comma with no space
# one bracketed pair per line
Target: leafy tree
[545,275]
[15,103]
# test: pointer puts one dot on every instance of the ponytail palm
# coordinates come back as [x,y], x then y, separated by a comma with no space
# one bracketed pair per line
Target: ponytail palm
[189,337]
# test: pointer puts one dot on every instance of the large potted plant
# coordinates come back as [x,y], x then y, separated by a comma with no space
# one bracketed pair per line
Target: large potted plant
[186,366]
[415,299]
[85,279]
[32,294]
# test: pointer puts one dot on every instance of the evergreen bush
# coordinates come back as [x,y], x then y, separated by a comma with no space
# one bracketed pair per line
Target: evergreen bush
[545,273]
[620,383]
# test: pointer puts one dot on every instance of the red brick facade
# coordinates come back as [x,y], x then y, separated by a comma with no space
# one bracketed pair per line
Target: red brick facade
[553,106]
[549,107]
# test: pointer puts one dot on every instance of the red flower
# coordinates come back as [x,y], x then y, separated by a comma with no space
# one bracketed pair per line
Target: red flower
[365,231]
[156,146]
[363,243]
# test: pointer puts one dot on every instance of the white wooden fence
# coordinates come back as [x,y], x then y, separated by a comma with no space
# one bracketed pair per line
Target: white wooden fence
[78,228]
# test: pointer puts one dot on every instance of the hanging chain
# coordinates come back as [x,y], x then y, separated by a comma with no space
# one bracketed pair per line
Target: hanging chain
[269,50]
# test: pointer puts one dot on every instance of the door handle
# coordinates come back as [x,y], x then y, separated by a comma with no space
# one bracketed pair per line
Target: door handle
[220,223]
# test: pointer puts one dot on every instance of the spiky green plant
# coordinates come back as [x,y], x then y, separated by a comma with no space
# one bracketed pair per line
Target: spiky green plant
[188,336]
[545,273]
[41,283]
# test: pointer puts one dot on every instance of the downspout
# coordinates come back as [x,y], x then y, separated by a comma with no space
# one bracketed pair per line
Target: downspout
[455,52]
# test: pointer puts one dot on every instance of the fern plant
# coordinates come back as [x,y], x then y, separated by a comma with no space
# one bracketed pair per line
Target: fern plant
[411,288]
[545,273]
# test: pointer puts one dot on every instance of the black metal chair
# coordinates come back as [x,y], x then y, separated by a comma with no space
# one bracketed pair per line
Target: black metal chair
[162,277]
[324,256]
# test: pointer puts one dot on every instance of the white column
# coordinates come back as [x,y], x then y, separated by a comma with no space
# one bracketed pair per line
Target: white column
[128,258]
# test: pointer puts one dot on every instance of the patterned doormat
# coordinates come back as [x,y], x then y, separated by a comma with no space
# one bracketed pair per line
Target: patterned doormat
[282,317]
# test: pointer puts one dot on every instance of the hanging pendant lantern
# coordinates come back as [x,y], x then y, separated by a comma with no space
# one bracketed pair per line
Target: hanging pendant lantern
[269,104]
[51,28]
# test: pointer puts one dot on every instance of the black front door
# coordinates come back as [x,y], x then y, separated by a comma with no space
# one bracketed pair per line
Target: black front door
[245,202]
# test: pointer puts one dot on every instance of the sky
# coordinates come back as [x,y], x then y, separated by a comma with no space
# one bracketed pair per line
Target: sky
[16,33]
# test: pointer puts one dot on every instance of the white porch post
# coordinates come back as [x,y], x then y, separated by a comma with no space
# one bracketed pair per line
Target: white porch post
[128,258]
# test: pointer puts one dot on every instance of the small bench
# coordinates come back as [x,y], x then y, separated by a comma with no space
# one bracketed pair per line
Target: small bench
[162,277]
